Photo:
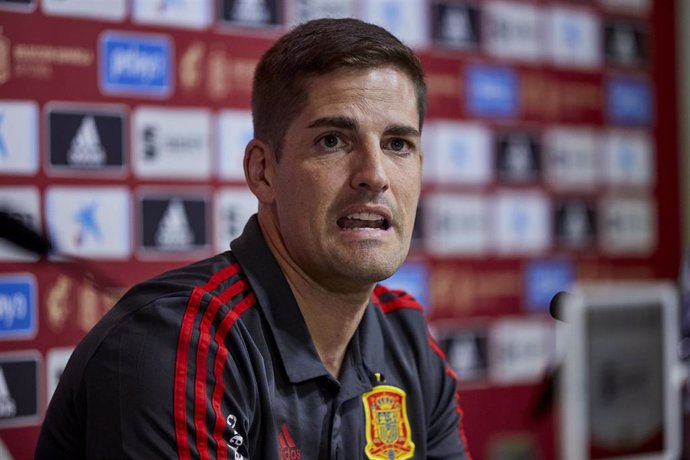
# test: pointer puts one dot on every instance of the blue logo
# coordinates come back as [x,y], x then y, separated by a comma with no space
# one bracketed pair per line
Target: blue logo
[492,91]
[3,149]
[545,278]
[460,152]
[573,35]
[412,278]
[168,5]
[17,307]
[136,64]
[392,17]
[629,101]
[86,219]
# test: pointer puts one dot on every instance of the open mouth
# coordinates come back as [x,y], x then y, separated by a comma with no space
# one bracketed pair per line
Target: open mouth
[363,220]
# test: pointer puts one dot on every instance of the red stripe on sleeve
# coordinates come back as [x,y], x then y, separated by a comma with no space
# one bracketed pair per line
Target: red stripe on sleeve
[221,332]
[179,392]
[458,408]
[201,368]
[181,359]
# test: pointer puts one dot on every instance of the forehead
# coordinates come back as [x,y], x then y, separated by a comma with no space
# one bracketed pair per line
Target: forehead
[379,90]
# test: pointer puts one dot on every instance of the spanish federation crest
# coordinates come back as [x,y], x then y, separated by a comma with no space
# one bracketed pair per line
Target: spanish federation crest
[387,428]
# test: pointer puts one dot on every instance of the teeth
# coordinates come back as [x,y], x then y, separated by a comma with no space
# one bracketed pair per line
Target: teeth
[365,216]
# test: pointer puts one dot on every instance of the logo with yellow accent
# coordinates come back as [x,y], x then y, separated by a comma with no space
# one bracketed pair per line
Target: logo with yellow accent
[388,428]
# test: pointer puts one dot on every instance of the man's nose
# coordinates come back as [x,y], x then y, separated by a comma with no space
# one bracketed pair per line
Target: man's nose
[369,171]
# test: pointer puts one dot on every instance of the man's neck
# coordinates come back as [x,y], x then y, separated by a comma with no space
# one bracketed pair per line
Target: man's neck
[331,316]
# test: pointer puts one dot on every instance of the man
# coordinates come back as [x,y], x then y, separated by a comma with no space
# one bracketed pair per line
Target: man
[285,347]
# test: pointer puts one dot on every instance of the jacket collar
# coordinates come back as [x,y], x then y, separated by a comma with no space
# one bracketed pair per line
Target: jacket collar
[277,302]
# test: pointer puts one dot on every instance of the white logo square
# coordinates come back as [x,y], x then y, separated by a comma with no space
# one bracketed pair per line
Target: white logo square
[91,222]
[458,153]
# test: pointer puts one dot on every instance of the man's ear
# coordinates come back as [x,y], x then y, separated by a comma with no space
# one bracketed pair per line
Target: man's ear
[259,170]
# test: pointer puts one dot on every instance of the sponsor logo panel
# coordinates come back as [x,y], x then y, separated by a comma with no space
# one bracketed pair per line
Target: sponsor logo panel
[492,91]
[396,16]
[190,66]
[172,143]
[91,222]
[5,65]
[628,225]
[630,159]
[305,10]
[18,317]
[113,10]
[625,43]
[173,223]
[575,223]
[518,157]
[24,6]
[456,224]
[456,25]
[572,158]
[18,137]
[22,204]
[513,30]
[633,6]
[521,222]
[137,64]
[235,130]
[74,305]
[520,350]
[234,207]
[574,36]
[180,13]
[56,360]
[41,61]
[629,101]
[467,352]
[82,140]
[19,384]
[543,279]
[251,13]
[460,289]
[459,153]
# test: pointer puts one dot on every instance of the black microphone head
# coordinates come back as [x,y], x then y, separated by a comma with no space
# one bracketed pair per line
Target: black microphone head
[14,230]
[556,305]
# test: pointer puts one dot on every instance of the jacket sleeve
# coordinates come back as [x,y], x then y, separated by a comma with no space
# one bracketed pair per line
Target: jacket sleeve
[158,385]
[446,435]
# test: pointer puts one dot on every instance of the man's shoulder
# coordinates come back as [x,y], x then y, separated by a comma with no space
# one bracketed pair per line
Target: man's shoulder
[395,300]
[160,304]
[401,312]
[216,276]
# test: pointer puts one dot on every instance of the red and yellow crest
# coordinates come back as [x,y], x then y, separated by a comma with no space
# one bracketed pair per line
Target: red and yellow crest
[388,428]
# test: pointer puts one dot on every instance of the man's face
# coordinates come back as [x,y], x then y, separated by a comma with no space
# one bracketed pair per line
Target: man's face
[348,180]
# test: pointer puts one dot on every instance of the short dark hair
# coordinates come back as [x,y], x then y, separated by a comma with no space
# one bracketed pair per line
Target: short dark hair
[316,48]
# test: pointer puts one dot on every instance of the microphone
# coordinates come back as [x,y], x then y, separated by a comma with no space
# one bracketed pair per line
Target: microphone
[556,305]
[14,230]
[546,392]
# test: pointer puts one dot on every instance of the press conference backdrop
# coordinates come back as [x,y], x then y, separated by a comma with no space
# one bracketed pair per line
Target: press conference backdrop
[551,156]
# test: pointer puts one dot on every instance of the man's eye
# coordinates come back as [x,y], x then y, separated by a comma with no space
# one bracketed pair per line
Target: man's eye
[398,145]
[330,141]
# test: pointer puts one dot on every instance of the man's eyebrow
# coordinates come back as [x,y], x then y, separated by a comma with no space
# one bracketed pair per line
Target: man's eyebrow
[402,130]
[350,124]
[334,122]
